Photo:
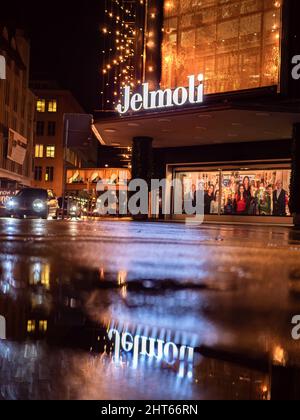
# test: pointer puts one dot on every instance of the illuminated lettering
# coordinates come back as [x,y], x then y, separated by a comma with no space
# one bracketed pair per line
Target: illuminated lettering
[163,98]
[152,348]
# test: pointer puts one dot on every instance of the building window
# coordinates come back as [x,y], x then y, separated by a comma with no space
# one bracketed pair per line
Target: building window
[251,192]
[52,105]
[30,326]
[38,173]
[40,126]
[49,176]
[43,326]
[51,128]
[41,105]
[234,44]
[50,151]
[39,151]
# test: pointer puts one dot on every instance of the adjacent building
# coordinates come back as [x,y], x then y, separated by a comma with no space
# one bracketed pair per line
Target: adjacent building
[17,103]
[50,156]
[243,138]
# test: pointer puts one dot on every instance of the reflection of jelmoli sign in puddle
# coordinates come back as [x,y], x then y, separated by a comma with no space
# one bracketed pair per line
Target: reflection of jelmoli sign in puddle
[2,328]
[151,348]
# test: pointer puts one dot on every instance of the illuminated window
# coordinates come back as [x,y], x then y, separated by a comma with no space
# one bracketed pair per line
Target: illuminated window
[50,151]
[52,105]
[41,105]
[39,151]
[49,176]
[30,326]
[235,44]
[43,326]
[251,192]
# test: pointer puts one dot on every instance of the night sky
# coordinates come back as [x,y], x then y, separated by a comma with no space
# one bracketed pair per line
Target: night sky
[65,42]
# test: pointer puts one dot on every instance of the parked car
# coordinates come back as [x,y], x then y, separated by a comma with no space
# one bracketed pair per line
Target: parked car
[32,202]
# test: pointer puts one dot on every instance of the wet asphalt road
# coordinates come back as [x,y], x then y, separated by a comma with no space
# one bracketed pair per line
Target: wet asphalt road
[228,292]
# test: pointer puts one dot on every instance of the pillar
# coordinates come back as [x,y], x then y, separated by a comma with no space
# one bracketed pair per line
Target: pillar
[142,159]
[295,177]
[142,162]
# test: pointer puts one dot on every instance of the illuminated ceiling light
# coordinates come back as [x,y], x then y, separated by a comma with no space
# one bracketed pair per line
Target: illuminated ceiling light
[110,130]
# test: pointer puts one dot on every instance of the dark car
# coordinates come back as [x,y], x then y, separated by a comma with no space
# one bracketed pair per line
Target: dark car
[32,202]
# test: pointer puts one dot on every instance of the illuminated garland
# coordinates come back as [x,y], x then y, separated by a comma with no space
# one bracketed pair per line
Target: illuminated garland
[119,36]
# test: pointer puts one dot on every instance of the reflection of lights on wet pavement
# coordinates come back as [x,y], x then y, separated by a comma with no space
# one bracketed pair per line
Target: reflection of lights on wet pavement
[122,282]
[61,295]
[40,274]
[279,356]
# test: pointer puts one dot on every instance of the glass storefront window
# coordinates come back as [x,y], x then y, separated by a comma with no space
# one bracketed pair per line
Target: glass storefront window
[234,43]
[256,192]
[207,181]
[246,192]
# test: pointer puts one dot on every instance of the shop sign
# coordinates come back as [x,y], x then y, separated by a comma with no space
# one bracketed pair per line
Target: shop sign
[2,68]
[159,99]
[5,195]
[17,147]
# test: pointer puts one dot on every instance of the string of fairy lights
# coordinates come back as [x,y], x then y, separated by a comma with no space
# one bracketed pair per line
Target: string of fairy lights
[119,33]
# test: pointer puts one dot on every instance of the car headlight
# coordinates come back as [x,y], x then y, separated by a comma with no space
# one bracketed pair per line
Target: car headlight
[38,205]
[11,204]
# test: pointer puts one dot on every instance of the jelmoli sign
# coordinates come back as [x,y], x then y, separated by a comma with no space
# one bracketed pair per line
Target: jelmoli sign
[168,98]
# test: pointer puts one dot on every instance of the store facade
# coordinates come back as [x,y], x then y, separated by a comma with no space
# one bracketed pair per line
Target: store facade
[85,186]
[240,142]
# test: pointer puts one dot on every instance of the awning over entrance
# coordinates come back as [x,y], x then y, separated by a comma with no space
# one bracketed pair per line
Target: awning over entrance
[199,127]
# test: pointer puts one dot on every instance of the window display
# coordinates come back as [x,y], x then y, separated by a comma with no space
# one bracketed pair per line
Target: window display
[244,192]
[234,43]
[256,193]
[209,182]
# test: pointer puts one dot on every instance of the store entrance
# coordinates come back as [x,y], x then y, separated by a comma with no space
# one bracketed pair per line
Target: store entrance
[248,193]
